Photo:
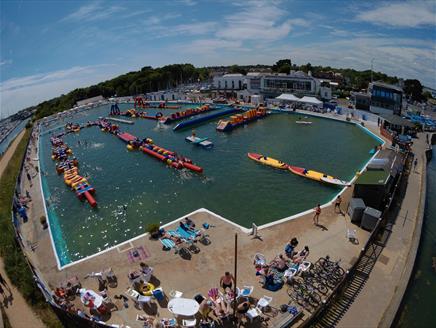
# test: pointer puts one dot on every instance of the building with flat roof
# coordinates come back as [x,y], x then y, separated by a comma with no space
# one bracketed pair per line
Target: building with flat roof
[267,85]
[385,98]
[360,100]
[91,100]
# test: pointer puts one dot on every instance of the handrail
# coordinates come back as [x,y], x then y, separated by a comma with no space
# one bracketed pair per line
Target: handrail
[340,287]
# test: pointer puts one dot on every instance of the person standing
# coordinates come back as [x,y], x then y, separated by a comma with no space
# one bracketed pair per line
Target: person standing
[338,202]
[317,214]
[415,163]
[227,281]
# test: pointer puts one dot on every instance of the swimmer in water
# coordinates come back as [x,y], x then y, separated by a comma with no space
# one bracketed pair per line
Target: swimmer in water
[125,208]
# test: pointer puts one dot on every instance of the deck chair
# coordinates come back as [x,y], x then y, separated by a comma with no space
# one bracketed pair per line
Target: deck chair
[193,234]
[133,295]
[167,243]
[187,239]
[264,303]
[259,259]
[189,322]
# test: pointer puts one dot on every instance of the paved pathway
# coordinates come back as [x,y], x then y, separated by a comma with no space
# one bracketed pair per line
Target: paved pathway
[19,313]
[373,308]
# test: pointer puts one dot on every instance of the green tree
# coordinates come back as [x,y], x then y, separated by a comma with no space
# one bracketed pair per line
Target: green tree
[286,68]
[237,69]
[413,88]
[281,62]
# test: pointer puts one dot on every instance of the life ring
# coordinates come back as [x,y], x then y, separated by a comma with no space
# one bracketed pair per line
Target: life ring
[148,288]
[159,115]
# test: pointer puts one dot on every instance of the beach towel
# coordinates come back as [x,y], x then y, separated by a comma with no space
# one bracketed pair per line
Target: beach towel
[144,252]
[137,254]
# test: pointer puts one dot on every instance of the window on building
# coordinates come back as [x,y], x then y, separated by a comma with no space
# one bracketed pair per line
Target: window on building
[240,84]
[233,84]
[225,84]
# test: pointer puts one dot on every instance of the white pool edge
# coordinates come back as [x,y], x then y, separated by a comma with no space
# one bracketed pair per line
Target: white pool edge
[204,210]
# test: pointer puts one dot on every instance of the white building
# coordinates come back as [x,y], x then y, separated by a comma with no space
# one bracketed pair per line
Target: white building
[229,82]
[267,85]
[167,95]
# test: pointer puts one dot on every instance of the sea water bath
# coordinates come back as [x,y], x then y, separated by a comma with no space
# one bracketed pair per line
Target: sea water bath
[134,190]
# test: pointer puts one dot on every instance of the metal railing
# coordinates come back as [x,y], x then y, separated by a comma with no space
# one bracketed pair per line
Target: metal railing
[359,271]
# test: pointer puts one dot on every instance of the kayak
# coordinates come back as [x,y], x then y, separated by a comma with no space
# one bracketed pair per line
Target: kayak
[317,176]
[303,122]
[336,182]
[268,161]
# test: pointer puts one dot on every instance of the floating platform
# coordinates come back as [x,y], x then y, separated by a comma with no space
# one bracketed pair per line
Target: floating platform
[204,142]
[126,137]
[120,120]
[241,119]
[199,120]
[177,116]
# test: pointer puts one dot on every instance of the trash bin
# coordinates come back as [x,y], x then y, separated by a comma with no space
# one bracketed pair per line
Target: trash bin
[355,209]
[370,218]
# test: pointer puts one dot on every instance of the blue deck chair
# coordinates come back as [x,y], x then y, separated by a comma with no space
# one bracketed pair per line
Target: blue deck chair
[167,243]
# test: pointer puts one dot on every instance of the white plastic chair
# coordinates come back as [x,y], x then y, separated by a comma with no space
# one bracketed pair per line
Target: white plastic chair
[304,266]
[189,322]
[264,302]
[175,294]
[253,314]
[290,274]
[133,294]
[245,291]
[259,259]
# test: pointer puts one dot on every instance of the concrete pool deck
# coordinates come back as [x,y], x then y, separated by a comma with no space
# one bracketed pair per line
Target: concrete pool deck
[204,270]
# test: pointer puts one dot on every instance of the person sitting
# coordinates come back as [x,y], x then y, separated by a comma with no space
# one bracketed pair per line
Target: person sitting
[189,223]
[243,307]
[60,292]
[290,247]
[133,275]
[221,308]
[138,286]
[301,256]
[279,263]
[144,268]
[205,308]
[175,239]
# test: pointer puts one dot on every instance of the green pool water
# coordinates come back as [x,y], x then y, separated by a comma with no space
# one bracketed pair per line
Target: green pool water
[232,185]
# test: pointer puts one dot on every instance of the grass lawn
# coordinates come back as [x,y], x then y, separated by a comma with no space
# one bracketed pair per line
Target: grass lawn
[15,264]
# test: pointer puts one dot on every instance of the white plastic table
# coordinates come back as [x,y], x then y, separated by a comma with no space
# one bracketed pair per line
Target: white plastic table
[97,300]
[183,306]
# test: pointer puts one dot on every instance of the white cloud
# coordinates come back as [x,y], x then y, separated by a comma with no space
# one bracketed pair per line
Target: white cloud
[256,20]
[188,2]
[402,57]
[18,93]
[6,62]
[197,28]
[91,12]
[407,14]
[207,46]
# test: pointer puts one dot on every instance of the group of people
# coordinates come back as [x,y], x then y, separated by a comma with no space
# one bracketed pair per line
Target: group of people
[337,209]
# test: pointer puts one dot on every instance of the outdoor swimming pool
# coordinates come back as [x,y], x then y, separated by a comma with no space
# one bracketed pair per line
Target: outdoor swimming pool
[134,190]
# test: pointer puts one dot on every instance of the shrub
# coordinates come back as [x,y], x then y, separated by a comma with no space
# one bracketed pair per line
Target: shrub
[153,228]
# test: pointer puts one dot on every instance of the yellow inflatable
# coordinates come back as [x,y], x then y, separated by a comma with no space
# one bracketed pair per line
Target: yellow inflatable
[148,288]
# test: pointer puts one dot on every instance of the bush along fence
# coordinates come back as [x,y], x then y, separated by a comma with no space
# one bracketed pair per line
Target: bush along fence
[67,319]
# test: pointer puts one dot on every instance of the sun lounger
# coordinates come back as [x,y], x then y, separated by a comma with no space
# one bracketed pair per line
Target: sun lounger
[167,243]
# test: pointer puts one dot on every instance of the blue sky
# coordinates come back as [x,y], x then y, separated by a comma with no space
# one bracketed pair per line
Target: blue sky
[51,47]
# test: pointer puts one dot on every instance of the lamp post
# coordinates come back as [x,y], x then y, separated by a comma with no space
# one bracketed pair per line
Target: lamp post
[372,63]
